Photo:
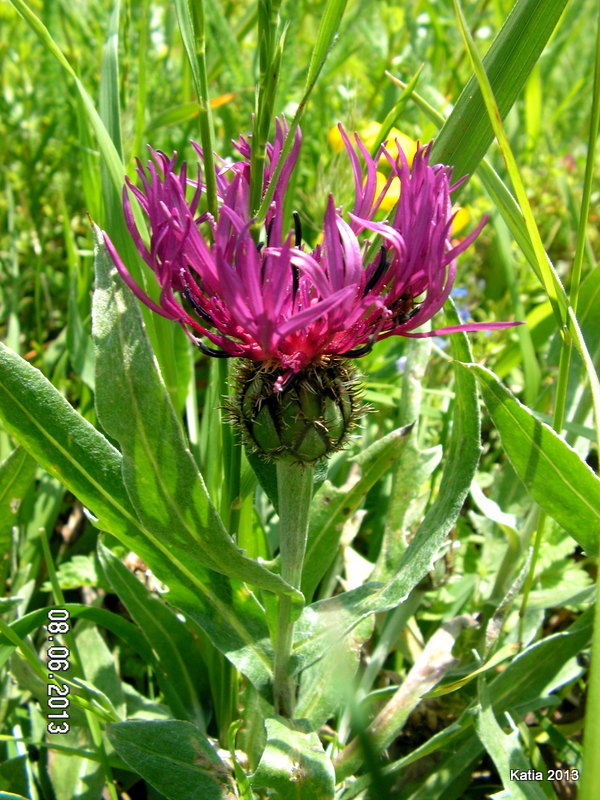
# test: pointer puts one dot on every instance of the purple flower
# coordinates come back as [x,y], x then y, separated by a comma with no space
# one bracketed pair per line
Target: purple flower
[275,302]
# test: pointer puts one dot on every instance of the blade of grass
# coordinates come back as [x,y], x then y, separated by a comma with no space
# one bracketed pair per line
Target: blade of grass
[564,313]
[191,19]
[508,63]
[270,55]
[496,188]
[140,105]
[591,739]
[545,271]
[330,21]
[394,113]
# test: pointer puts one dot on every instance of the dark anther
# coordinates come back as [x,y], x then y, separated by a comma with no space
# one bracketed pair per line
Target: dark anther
[295,280]
[270,230]
[210,351]
[197,308]
[378,272]
[400,319]
[297,229]
[360,351]
[260,246]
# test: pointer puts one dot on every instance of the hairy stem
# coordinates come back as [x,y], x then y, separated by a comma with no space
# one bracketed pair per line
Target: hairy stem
[294,487]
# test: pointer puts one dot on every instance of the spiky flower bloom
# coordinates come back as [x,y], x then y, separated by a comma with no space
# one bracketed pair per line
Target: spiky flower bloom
[273,301]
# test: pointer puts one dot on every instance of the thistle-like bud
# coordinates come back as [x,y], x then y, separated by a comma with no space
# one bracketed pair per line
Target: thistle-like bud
[308,419]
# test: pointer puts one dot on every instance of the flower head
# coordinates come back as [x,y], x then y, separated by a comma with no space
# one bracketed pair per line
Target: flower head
[274,301]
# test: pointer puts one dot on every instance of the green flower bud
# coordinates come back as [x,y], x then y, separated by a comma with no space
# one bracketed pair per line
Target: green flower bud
[306,421]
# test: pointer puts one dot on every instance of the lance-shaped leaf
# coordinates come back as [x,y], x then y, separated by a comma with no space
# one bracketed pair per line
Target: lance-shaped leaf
[161,476]
[324,622]
[556,477]
[293,763]
[174,757]
[63,442]
[67,446]
[332,506]
[178,659]
[506,751]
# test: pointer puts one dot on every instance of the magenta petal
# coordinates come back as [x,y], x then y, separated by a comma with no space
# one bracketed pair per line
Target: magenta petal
[302,318]
[123,272]
[469,327]
[274,302]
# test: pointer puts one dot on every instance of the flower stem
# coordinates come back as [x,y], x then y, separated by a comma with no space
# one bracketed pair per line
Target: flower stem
[591,734]
[294,488]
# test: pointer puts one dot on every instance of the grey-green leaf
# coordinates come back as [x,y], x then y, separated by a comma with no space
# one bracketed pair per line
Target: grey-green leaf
[322,623]
[505,751]
[332,506]
[174,757]
[556,477]
[178,654]
[63,442]
[294,764]
[67,446]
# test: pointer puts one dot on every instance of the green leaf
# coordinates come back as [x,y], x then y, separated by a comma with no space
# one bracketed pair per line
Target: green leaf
[320,697]
[17,472]
[13,776]
[322,623]
[294,764]
[78,571]
[109,81]
[173,116]
[328,30]
[505,751]
[541,668]
[266,475]
[177,652]
[243,783]
[98,665]
[411,470]
[588,313]
[522,686]
[110,113]
[188,37]
[556,477]
[191,19]
[63,442]
[332,506]
[174,757]
[467,134]
[159,471]
[67,446]
[99,616]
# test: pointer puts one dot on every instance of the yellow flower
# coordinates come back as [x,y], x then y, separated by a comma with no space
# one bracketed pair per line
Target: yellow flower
[460,221]
[369,134]
[391,196]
